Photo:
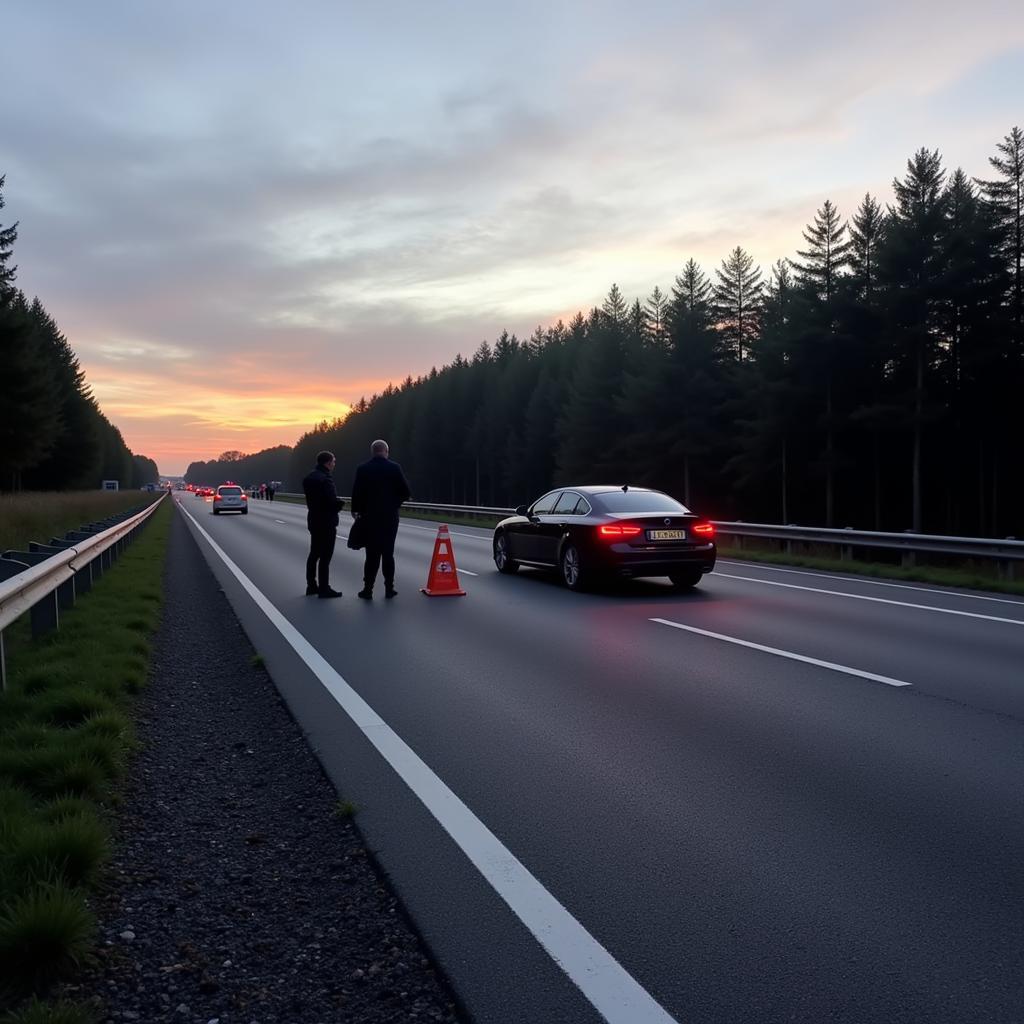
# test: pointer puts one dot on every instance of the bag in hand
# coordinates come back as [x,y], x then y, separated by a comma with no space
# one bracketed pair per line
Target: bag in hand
[357,534]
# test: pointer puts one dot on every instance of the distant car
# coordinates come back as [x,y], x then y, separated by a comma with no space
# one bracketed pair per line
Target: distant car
[588,533]
[230,498]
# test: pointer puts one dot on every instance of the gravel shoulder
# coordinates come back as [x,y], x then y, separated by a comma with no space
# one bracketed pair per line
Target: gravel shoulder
[236,892]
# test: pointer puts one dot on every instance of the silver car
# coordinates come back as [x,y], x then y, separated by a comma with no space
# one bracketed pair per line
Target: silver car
[230,498]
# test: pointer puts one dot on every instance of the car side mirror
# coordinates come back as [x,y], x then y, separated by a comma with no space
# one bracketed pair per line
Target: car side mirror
[521,510]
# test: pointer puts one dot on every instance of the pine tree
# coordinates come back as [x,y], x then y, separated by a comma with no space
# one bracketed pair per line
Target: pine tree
[655,310]
[865,237]
[74,460]
[614,307]
[912,268]
[778,400]
[1006,195]
[976,279]
[29,416]
[867,232]
[8,236]
[738,302]
[819,277]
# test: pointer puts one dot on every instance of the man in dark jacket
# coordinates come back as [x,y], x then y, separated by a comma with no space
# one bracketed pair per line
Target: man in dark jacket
[322,521]
[378,491]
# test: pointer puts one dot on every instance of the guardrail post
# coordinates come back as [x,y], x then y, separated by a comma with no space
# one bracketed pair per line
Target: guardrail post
[66,591]
[846,550]
[44,614]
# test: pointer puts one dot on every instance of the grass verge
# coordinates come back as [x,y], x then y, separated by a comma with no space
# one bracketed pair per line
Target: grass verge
[65,738]
[38,515]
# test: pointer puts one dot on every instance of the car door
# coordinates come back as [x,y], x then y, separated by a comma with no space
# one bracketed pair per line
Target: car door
[527,545]
[552,527]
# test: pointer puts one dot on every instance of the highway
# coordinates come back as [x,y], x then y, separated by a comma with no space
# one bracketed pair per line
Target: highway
[785,797]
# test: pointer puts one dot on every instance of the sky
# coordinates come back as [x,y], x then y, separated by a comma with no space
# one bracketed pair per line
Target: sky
[245,217]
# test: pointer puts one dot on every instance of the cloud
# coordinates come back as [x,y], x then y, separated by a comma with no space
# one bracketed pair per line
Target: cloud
[229,199]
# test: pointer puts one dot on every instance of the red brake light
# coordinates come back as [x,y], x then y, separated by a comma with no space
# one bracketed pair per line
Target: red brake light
[704,530]
[619,531]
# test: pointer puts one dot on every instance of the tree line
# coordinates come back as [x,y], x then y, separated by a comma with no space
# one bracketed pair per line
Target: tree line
[870,380]
[53,435]
[258,468]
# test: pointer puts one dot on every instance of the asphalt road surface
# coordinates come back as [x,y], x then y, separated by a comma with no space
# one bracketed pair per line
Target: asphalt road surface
[785,797]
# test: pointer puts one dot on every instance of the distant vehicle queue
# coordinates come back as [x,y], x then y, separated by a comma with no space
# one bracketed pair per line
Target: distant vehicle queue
[260,491]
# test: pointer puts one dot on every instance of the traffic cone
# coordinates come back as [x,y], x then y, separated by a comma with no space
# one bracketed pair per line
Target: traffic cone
[443,579]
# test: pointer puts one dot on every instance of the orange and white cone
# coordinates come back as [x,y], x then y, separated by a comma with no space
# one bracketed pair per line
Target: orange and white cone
[443,578]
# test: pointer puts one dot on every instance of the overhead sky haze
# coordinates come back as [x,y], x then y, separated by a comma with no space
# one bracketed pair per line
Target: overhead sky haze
[245,217]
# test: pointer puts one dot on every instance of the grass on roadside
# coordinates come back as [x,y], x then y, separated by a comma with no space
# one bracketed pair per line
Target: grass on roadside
[40,515]
[65,739]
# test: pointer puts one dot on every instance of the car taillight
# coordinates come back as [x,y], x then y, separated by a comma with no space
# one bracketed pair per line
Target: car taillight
[244,498]
[704,530]
[617,531]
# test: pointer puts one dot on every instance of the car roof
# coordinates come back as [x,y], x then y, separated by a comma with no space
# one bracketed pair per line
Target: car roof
[601,489]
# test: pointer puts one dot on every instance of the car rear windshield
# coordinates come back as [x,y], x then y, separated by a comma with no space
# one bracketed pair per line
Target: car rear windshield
[639,501]
[231,491]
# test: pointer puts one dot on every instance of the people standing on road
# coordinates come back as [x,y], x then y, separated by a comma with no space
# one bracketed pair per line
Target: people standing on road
[323,504]
[270,490]
[378,491]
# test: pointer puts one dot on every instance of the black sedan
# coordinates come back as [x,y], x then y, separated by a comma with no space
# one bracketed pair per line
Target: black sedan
[592,532]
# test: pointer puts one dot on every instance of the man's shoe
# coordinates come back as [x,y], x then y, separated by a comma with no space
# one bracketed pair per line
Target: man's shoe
[329,592]
[390,592]
[366,594]
[312,590]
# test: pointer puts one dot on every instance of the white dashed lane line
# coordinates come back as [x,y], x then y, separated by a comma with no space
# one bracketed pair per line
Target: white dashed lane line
[785,654]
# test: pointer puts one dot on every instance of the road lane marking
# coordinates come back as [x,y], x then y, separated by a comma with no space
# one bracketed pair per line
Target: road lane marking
[786,654]
[877,600]
[604,982]
[281,521]
[874,583]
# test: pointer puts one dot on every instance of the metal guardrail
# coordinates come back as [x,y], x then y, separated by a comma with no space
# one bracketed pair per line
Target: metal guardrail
[49,577]
[1008,552]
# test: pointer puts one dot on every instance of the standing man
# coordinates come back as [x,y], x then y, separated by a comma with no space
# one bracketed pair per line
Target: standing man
[322,521]
[378,491]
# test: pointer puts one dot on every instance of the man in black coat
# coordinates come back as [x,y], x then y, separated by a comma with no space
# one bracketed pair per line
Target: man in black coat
[378,491]
[323,504]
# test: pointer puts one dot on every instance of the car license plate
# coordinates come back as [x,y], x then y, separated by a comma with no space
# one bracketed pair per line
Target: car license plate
[666,535]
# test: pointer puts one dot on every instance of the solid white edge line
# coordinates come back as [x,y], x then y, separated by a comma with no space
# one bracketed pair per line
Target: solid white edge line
[604,982]
[786,654]
[876,600]
[873,582]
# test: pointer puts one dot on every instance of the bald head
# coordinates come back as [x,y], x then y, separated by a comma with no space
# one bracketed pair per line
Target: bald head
[379,448]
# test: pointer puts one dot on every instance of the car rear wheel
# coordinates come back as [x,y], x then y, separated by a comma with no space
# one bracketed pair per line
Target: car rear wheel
[502,556]
[685,579]
[573,575]
[245,511]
